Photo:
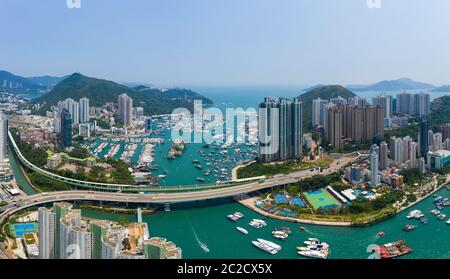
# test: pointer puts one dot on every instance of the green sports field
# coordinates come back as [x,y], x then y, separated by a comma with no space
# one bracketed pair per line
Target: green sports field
[321,199]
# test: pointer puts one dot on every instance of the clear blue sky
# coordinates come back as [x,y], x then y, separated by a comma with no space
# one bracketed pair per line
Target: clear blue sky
[229,42]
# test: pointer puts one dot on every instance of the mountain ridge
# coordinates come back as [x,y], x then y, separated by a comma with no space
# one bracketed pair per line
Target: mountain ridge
[100,91]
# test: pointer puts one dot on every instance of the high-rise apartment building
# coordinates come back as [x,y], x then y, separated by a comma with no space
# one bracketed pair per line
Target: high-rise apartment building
[280,129]
[423,138]
[47,223]
[383,155]
[3,136]
[354,123]
[417,104]
[84,110]
[66,128]
[374,167]
[386,102]
[125,109]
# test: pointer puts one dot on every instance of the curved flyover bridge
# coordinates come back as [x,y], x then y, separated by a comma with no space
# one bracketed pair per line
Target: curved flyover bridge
[97,186]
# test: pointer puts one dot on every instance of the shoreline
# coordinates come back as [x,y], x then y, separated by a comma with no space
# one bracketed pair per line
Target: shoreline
[250,204]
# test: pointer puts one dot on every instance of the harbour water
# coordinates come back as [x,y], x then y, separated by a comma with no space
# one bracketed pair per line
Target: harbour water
[207,221]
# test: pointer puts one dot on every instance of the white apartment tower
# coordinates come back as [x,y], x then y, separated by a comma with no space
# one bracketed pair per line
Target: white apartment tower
[47,224]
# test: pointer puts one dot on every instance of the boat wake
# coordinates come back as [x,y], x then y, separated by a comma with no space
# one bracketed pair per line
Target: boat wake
[201,244]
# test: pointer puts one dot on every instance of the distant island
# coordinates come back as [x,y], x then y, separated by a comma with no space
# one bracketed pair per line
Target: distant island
[393,85]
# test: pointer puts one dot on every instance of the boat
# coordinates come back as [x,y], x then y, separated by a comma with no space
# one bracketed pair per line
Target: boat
[415,214]
[436,212]
[242,230]
[270,244]
[285,229]
[264,247]
[280,235]
[167,207]
[380,234]
[200,179]
[314,254]
[235,216]
[302,228]
[393,250]
[441,216]
[409,228]
[448,222]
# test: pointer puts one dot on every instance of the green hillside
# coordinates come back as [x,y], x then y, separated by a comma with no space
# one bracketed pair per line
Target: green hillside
[323,92]
[99,91]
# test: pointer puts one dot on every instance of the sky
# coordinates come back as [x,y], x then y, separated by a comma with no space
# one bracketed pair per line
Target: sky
[229,42]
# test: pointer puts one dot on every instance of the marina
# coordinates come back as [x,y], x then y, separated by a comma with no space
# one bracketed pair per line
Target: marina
[200,163]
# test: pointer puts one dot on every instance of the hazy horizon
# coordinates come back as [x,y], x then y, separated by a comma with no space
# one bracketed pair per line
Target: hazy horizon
[224,43]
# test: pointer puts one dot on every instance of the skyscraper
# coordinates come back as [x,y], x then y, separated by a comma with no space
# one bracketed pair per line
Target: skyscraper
[74,110]
[148,124]
[423,137]
[354,123]
[383,155]
[374,167]
[75,240]
[60,210]
[417,104]
[84,110]
[318,112]
[66,128]
[125,109]
[47,224]
[280,119]
[3,136]
[386,102]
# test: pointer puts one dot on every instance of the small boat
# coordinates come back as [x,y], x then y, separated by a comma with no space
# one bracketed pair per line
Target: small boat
[167,207]
[409,228]
[242,230]
[448,222]
[380,234]
[280,235]
[302,228]
[200,179]
[441,216]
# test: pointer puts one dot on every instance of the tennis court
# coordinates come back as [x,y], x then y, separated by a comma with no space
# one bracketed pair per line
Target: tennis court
[321,199]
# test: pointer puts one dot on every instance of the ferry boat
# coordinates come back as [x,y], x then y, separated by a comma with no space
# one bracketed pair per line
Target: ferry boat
[264,247]
[270,244]
[394,250]
[242,230]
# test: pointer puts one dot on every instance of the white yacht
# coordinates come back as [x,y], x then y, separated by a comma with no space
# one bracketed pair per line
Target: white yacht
[314,254]
[270,243]
[265,247]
